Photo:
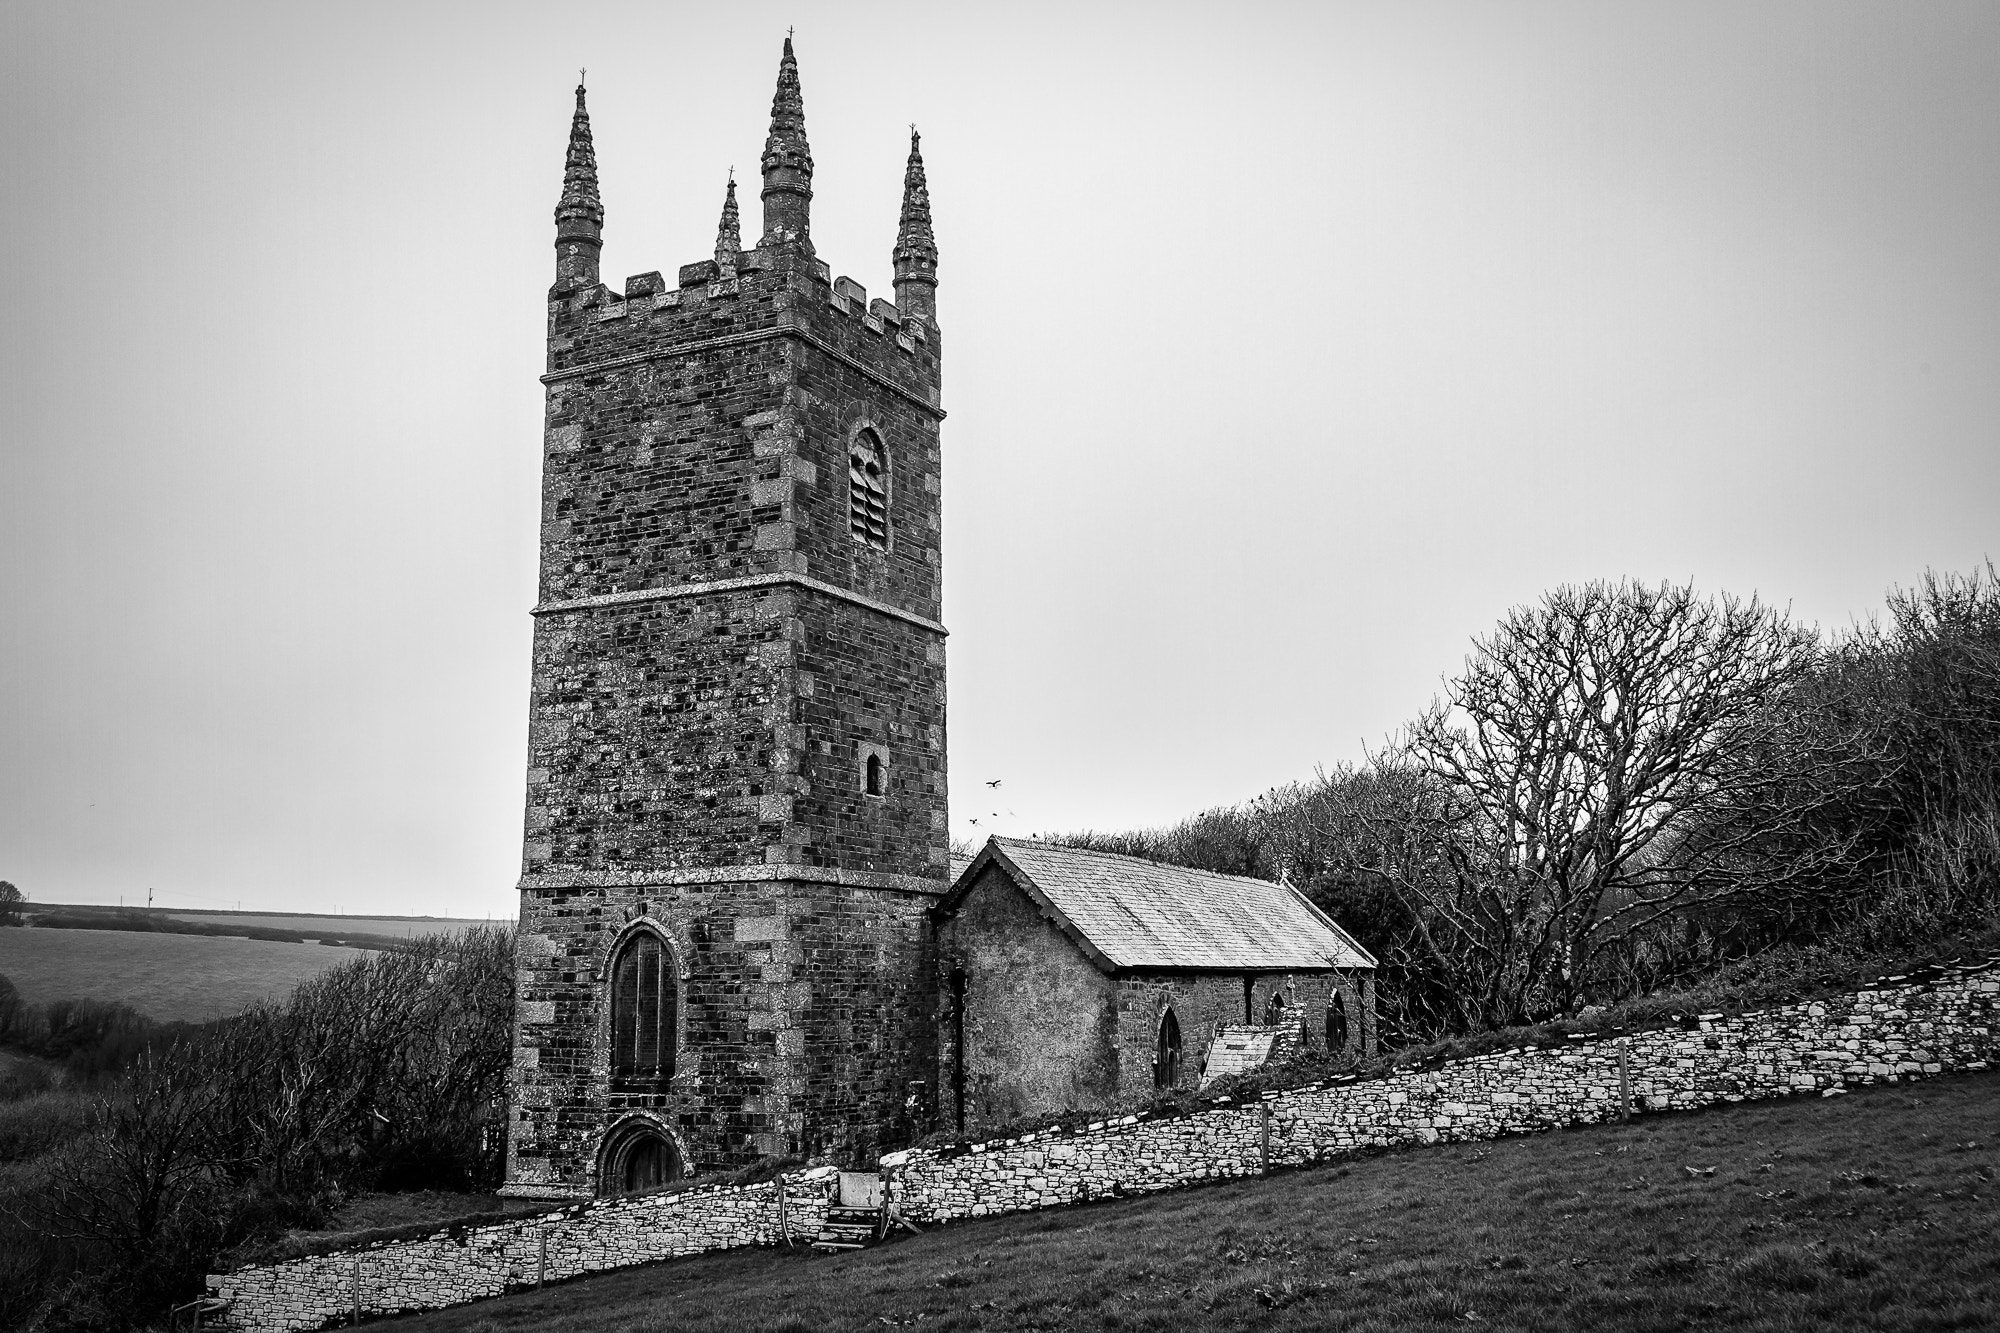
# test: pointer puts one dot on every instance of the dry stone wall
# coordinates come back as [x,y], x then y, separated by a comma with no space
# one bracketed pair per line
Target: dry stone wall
[457,1264]
[1898,1031]
[1903,1029]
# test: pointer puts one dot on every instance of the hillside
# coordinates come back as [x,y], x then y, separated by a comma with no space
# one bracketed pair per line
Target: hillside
[190,965]
[1874,1210]
[165,977]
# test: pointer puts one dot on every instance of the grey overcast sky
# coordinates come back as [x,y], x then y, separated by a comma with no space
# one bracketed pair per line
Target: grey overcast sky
[1288,346]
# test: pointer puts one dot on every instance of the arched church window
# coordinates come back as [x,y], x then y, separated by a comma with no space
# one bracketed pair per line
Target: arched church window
[645,996]
[1274,1010]
[1167,1052]
[1336,1023]
[868,490]
[874,783]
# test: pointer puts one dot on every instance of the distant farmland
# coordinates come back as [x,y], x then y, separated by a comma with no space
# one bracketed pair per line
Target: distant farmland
[168,977]
[190,964]
[321,926]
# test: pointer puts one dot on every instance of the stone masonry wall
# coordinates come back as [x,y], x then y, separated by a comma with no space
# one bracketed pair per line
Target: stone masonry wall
[804,1020]
[454,1265]
[1896,1031]
[715,660]
[1906,1031]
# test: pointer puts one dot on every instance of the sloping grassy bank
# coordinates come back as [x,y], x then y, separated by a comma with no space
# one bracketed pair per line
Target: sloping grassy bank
[1875,1210]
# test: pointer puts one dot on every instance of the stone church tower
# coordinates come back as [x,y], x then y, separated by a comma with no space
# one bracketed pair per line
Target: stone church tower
[736,770]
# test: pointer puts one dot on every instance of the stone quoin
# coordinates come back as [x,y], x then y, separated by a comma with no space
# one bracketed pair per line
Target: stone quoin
[736,778]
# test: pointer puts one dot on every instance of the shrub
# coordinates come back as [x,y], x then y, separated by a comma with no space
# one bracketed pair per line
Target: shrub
[41,1122]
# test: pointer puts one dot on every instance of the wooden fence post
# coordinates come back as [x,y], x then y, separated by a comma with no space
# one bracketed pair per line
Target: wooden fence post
[542,1255]
[1624,1078]
[1266,1146]
[357,1288]
[784,1216]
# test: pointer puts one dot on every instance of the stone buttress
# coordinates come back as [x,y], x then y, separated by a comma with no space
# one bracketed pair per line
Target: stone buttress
[736,736]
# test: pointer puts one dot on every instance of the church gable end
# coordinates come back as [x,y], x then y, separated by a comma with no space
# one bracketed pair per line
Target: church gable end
[1031,1022]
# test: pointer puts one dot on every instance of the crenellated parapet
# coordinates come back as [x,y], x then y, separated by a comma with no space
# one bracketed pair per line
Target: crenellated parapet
[599,323]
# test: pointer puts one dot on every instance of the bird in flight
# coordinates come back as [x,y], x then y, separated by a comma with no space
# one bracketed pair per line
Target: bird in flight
[994,783]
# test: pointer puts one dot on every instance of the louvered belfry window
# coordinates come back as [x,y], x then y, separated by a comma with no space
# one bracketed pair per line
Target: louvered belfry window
[868,491]
[643,1009]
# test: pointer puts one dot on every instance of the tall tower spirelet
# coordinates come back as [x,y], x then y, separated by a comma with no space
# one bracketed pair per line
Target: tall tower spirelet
[787,164]
[580,212]
[916,256]
[729,232]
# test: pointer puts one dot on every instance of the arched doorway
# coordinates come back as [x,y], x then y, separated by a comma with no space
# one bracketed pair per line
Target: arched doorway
[1274,1011]
[639,1157]
[1167,1052]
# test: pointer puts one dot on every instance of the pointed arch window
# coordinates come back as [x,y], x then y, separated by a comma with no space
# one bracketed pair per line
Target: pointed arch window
[868,490]
[645,1010]
[1167,1052]
[1274,1010]
[1336,1023]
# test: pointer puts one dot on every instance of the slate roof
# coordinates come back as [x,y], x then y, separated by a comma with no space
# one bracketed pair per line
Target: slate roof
[1128,913]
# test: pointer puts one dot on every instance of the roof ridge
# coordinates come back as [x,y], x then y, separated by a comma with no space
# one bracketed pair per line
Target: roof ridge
[1125,856]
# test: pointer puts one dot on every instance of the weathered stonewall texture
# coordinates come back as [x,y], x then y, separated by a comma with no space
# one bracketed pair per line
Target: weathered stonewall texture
[454,1265]
[717,657]
[1893,1033]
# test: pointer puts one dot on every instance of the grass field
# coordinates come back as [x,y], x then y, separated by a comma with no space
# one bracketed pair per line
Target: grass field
[318,925]
[168,977]
[1875,1211]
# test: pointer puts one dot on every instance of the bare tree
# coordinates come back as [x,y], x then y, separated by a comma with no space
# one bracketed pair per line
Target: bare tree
[151,1149]
[1608,758]
[404,1053]
[1946,662]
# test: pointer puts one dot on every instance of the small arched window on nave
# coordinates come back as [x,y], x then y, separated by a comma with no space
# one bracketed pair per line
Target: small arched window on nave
[1167,1052]
[868,490]
[1336,1023]
[645,1004]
